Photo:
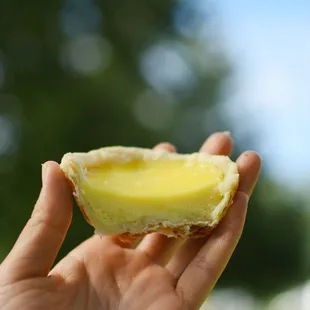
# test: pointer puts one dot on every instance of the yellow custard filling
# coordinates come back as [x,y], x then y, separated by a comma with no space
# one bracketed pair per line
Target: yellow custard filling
[153,179]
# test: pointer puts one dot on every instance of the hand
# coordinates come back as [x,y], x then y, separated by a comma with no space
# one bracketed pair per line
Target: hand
[104,273]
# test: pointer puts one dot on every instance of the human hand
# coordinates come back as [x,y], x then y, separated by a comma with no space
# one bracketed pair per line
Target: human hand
[104,273]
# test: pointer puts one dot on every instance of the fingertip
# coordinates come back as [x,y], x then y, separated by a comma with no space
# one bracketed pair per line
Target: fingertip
[50,165]
[219,143]
[250,160]
[50,162]
[46,169]
[249,166]
[252,156]
[56,192]
[52,174]
[166,146]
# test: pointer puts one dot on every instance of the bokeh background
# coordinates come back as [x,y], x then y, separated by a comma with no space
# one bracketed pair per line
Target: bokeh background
[81,74]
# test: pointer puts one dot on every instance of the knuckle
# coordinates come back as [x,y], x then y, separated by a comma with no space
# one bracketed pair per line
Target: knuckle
[40,222]
[201,263]
[184,302]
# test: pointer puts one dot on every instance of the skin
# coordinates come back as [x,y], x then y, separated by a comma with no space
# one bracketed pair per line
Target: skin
[104,273]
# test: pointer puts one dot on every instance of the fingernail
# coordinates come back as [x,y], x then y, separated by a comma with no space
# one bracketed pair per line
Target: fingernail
[227,133]
[166,146]
[44,172]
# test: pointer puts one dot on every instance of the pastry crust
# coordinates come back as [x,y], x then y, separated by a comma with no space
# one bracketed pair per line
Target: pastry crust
[180,232]
[75,164]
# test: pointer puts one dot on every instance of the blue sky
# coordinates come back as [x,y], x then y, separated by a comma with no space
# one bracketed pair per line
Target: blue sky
[268,43]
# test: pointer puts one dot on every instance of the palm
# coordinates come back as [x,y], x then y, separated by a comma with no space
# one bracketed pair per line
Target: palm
[102,282]
[118,278]
[104,273]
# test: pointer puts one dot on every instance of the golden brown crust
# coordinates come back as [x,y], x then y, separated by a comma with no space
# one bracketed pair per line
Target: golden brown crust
[177,232]
[83,212]
[78,202]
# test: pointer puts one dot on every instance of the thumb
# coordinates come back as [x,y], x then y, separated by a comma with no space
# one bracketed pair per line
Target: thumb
[38,245]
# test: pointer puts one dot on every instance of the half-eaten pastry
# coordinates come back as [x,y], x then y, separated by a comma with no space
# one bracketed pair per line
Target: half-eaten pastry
[131,191]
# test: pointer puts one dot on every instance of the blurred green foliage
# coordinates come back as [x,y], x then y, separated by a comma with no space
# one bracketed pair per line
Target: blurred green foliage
[271,255]
[82,74]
